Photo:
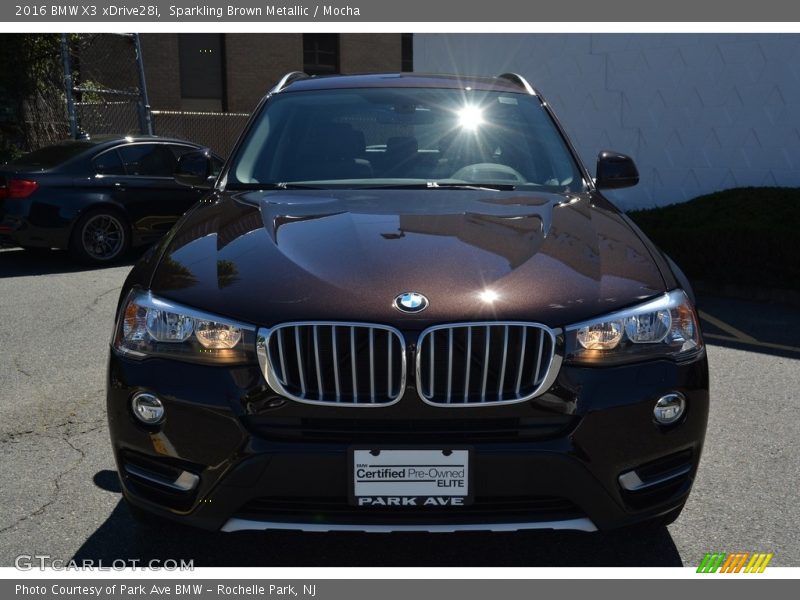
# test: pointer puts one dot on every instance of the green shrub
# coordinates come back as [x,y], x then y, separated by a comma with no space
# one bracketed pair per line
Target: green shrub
[743,236]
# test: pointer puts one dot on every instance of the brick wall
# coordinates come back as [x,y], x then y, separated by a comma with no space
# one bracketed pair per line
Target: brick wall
[369,52]
[254,62]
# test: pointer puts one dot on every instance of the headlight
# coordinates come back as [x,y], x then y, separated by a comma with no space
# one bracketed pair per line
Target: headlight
[666,326]
[149,326]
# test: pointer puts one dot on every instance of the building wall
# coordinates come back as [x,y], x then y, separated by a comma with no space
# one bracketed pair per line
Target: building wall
[160,55]
[698,112]
[370,52]
[254,62]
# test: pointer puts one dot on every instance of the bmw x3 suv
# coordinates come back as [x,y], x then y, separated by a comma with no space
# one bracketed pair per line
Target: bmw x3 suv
[404,304]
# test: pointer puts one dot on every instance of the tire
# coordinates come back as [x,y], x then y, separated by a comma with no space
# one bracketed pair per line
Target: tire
[100,237]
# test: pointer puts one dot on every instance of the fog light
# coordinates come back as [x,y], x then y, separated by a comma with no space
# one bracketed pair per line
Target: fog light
[669,408]
[147,408]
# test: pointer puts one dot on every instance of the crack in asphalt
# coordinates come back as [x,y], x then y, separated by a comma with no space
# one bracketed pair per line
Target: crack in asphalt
[67,439]
[95,424]
[70,419]
[89,308]
[19,368]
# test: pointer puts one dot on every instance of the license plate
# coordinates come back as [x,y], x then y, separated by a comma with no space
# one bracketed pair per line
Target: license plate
[410,477]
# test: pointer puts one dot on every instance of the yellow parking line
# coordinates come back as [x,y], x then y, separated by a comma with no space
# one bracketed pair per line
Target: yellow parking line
[739,335]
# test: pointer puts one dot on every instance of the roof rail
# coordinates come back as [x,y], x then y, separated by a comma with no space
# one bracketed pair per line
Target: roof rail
[290,77]
[519,80]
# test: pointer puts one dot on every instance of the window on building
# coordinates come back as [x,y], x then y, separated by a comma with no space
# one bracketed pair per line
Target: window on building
[321,53]
[407,51]
[202,71]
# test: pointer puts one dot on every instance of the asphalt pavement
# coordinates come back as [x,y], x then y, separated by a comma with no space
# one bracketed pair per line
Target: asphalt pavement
[60,495]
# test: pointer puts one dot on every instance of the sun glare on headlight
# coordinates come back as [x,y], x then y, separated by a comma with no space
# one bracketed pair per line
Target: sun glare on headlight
[666,326]
[153,327]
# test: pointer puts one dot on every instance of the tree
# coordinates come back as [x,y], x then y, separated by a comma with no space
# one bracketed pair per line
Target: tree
[32,105]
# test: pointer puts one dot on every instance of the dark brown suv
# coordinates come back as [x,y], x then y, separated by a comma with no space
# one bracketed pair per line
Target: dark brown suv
[405,305]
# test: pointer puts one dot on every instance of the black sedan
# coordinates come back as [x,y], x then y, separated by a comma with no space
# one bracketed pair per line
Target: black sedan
[95,197]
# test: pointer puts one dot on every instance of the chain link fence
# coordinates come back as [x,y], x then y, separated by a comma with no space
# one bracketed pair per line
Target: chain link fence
[216,130]
[107,91]
[55,86]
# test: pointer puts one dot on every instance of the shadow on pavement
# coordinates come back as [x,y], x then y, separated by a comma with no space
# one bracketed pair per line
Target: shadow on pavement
[121,537]
[16,262]
[766,328]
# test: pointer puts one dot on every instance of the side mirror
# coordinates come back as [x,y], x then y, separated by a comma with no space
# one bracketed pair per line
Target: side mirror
[198,169]
[615,170]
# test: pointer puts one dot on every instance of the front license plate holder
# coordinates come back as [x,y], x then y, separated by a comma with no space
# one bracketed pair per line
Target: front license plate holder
[410,477]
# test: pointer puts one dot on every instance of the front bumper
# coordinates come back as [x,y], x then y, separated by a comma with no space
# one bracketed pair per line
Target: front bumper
[264,462]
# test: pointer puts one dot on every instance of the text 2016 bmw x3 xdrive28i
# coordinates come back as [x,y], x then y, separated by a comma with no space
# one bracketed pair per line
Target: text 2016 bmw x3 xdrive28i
[405,305]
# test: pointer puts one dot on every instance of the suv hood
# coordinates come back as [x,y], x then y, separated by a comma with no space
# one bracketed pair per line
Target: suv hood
[271,257]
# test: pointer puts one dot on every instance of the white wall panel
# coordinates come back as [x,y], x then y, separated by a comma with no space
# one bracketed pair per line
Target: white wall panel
[698,112]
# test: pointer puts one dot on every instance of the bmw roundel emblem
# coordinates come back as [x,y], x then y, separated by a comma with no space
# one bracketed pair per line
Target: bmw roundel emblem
[411,302]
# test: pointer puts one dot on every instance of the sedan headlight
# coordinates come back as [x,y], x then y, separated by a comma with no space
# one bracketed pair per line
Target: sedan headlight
[149,326]
[666,326]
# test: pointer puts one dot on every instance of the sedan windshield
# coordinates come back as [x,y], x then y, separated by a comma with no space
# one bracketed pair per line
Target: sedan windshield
[404,138]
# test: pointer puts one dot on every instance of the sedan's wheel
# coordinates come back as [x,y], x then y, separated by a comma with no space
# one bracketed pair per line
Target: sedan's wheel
[100,237]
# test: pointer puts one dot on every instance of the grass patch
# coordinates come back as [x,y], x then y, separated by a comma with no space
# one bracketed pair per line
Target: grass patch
[742,236]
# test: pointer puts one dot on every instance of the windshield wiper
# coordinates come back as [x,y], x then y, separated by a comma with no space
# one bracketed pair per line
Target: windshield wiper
[429,185]
[283,185]
[434,185]
[499,187]
[276,186]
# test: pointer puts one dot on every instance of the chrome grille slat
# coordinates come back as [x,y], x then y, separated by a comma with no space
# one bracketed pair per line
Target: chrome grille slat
[300,361]
[389,346]
[488,344]
[468,363]
[513,361]
[280,351]
[336,363]
[353,362]
[503,365]
[449,364]
[539,354]
[372,367]
[316,360]
[335,346]
[521,360]
[433,353]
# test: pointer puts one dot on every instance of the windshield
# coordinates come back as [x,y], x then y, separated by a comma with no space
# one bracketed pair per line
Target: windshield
[402,137]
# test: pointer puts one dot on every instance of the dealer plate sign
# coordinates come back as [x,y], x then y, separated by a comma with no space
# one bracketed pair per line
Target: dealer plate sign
[410,477]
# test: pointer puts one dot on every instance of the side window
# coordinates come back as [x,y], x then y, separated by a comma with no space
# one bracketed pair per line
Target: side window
[148,160]
[179,151]
[108,163]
